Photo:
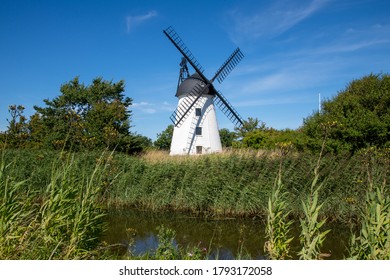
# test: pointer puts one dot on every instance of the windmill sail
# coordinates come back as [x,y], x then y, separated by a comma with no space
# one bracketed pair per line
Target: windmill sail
[183,110]
[179,44]
[193,93]
[228,66]
[224,105]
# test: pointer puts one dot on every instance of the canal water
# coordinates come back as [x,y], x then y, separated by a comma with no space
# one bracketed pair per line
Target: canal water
[223,238]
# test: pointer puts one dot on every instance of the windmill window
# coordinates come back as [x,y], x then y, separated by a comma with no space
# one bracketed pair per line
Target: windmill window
[198,130]
[198,112]
[199,149]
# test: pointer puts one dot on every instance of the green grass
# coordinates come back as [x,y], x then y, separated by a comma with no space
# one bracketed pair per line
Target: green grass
[52,203]
[236,184]
[61,219]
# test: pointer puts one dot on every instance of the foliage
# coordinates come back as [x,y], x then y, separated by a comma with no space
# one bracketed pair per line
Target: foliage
[311,237]
[94,116]
[256,135]
[249,125]
[135,144]
[362,112]
[40,187]
[278,226]
[166,249]
[227,137]
[164,139]
[240,184]
[17,131]
[373,242]
[13,210]
[62,221]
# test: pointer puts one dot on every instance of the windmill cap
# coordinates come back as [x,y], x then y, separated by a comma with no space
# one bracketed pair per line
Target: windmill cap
[188,84]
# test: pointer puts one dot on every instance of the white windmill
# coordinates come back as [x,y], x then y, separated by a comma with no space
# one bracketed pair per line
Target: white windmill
[195,122]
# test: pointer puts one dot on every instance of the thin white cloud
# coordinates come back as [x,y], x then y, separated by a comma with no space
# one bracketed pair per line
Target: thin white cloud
[292,76]
[354,39]
[272,101]
[152,108]
[349,47]
[274,20]
[132,21]
[314,66]
[351,40]
[144,107]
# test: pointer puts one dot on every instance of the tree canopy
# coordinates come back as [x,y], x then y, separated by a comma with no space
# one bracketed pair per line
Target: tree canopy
[164,138]
[227,137]
[84,116]
[360,116]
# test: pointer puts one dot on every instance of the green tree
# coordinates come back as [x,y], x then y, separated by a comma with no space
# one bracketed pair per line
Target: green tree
[249,125]
[360,114]
[17,131]
[164,139]
[227,137]
[256,139]
[141,142]
[93,116]
[271,138]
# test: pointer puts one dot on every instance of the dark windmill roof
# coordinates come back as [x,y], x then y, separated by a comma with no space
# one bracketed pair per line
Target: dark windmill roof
[188,84]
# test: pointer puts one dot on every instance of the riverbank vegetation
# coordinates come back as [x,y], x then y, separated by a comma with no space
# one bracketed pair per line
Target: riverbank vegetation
[57,199]
[58,217]
[235,183]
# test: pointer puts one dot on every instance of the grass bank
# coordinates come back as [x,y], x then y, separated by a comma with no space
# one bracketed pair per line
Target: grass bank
[239,183]
[235,183]
[53,203]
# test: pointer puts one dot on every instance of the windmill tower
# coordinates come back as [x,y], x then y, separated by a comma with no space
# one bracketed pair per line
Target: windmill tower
[195,122]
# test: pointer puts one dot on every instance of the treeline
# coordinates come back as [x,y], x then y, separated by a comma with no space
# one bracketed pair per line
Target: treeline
[98,116]
[357,117]
[81,117]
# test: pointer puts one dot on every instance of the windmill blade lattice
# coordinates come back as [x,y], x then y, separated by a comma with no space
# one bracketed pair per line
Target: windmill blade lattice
[179,44]
[224,105]
[228,66]
[181,112]
[179,115]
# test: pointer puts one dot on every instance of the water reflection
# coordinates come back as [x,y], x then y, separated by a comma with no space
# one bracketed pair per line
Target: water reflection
[223,238]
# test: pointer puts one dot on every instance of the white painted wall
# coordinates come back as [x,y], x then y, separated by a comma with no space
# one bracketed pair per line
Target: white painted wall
[184,140]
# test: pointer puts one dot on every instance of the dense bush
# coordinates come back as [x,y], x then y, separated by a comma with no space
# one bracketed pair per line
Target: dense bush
[360,115]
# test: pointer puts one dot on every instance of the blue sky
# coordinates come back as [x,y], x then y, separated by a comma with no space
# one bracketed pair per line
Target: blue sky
[294,51]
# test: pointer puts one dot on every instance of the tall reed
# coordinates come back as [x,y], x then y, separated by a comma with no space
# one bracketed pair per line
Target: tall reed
[16,214]
[62,222]
[373,241]
[311,236]
[70,216]
[278,226]
[235,183]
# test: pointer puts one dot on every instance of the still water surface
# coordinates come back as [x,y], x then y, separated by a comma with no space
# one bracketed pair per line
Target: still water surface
[223,238]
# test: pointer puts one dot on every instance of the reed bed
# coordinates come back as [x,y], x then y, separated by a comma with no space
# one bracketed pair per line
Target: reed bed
[61,219]
[237,183]
[53,202]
